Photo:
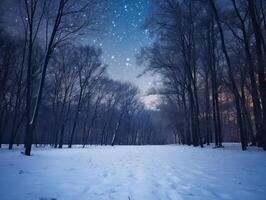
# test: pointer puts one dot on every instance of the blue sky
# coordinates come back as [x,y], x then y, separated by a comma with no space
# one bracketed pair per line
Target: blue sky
[124,38]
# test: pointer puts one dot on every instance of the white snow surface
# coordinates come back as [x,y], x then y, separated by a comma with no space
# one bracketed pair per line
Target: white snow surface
[169,172]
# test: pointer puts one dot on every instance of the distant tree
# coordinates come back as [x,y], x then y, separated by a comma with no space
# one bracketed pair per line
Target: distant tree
[90,69]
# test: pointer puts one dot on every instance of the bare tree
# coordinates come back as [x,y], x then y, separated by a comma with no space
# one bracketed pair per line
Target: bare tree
[90,70]
[69,18]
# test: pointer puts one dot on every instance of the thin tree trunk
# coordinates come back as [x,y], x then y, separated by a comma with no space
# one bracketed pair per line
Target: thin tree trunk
[261,67]
[75,118]
[253,82]
[231,77]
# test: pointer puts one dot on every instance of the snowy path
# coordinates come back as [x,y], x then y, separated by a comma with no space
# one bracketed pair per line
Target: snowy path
[133,172]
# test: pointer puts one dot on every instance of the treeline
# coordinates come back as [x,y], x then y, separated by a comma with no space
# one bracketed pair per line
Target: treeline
[211,56]
[55,91]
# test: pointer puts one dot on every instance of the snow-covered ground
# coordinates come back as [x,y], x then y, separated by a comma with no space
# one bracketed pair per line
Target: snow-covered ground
[133,173]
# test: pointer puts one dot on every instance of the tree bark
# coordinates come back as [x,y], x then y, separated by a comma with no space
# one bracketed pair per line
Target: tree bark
[231,77]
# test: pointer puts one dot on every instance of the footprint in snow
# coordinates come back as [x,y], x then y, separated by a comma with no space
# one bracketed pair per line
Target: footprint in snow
[131,175]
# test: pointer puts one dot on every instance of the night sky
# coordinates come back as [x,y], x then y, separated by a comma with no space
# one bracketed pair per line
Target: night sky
[123,40]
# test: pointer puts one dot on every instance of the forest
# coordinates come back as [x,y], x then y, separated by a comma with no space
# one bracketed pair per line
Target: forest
[210,57]
[132,99]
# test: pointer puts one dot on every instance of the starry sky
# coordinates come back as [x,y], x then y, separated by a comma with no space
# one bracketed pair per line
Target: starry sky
[123,39]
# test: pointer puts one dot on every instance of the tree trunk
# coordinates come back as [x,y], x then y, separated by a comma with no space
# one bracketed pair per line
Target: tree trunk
[231,77]
[261,67]
[253,82]
[75,119]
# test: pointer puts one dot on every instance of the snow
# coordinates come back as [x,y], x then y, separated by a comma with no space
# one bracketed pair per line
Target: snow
[167,172]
